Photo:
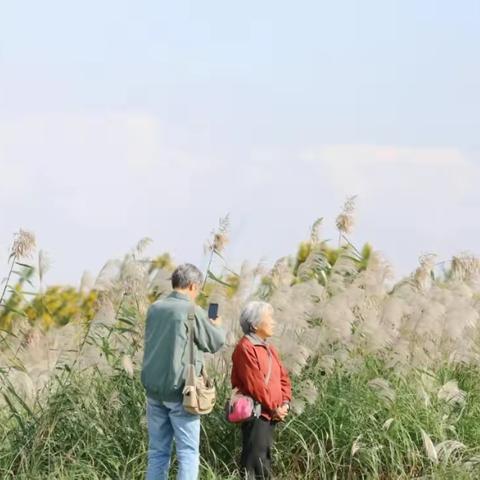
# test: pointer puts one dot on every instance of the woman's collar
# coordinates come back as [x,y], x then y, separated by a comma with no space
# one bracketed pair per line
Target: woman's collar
[256,340]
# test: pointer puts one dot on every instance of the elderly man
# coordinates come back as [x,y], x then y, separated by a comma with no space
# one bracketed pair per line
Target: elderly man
[163,374]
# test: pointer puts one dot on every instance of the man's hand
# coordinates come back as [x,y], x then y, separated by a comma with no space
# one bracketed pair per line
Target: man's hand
[280,413]
[218,322]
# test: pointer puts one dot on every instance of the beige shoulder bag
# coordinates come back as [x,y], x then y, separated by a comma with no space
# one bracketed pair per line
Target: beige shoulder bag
[199,393]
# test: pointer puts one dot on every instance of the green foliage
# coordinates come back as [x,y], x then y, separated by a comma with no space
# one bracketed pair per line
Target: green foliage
[369,420]
[12,306]
[93,426]
[61,305]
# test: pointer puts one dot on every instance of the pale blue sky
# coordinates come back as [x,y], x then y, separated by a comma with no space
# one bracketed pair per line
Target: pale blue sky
[125,119]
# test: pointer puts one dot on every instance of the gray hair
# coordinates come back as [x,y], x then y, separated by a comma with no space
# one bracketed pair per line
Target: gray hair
[186,275]
[252,314]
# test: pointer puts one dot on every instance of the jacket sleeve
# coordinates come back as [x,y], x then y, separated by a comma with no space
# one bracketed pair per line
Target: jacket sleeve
[286,385]
[208,337]
[251,377]
[284,380]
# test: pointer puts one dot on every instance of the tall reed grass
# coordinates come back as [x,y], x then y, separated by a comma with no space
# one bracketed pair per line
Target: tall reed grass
[386,374]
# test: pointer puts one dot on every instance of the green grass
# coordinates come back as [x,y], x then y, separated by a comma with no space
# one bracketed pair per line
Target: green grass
[92,426]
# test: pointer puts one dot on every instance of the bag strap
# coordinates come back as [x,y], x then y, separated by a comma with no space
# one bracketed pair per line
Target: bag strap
[191,332]
[269,373]
[256,341]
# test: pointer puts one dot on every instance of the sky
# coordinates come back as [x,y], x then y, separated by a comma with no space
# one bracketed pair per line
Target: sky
[121,120]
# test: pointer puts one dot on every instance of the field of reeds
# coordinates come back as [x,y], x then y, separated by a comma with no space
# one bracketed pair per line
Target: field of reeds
[386,373]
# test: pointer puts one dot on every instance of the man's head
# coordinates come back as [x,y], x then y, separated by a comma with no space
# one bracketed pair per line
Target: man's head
[187,278]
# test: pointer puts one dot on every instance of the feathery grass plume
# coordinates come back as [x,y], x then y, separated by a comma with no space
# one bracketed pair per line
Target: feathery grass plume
[356,445]
[356,327]
[306,394]
[315,266]
[315,231]
[387,424]
[128,365]
[368,333]
[423,274]
[336,320]
[295,355]
[32,337]
[141,246]
[41,353]
[22,384]
[345,220]
[87,283]
[450,393]
[461,319]
[326,364]
[447,448]
[235,300]
[383,389]
[65,342]
[22,247]
[423,395]
[281,274]
[472,463]
[23,244]
[215,247]
[105,314]
[429,447]
[343,272]
[377,276]
[219,237]
[108,275]
[294,306]
[44,264]
[297,405]
[465,267]
[160,284]
[426,386]
[257,272]
[394,308]
[134,276]
[309,392]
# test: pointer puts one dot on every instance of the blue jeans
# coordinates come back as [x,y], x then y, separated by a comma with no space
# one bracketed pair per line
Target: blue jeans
[166,421]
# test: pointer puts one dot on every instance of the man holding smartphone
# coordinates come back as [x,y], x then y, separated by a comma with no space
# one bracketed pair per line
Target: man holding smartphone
[163,373]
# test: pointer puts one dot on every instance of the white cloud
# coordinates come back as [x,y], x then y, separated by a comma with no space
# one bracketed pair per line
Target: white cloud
[411,200]
[92,166]
[415,172]
[89,181]
[90,185]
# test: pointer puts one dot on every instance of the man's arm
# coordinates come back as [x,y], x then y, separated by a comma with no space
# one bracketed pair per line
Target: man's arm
[209,337]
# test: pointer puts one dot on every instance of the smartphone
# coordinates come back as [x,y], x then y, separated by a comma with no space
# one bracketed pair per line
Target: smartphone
[213,311]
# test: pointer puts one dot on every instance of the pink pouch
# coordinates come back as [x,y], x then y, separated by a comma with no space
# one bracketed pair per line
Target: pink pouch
[240,408]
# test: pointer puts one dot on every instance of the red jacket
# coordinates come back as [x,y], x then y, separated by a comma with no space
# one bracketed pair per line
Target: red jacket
[250,368]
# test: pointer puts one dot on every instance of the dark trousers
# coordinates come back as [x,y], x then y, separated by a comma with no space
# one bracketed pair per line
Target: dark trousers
[257,440]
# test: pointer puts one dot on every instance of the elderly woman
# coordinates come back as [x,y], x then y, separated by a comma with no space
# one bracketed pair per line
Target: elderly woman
[259,373]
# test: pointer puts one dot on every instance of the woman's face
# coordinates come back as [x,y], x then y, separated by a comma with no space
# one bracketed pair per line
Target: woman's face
[266,327]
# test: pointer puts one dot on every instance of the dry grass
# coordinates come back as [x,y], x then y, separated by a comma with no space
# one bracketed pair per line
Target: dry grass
[386,375]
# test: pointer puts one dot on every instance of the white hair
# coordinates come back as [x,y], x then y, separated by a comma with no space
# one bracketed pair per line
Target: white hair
[252,314]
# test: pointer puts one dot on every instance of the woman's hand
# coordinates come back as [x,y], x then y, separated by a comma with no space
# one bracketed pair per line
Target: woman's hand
[281,412]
